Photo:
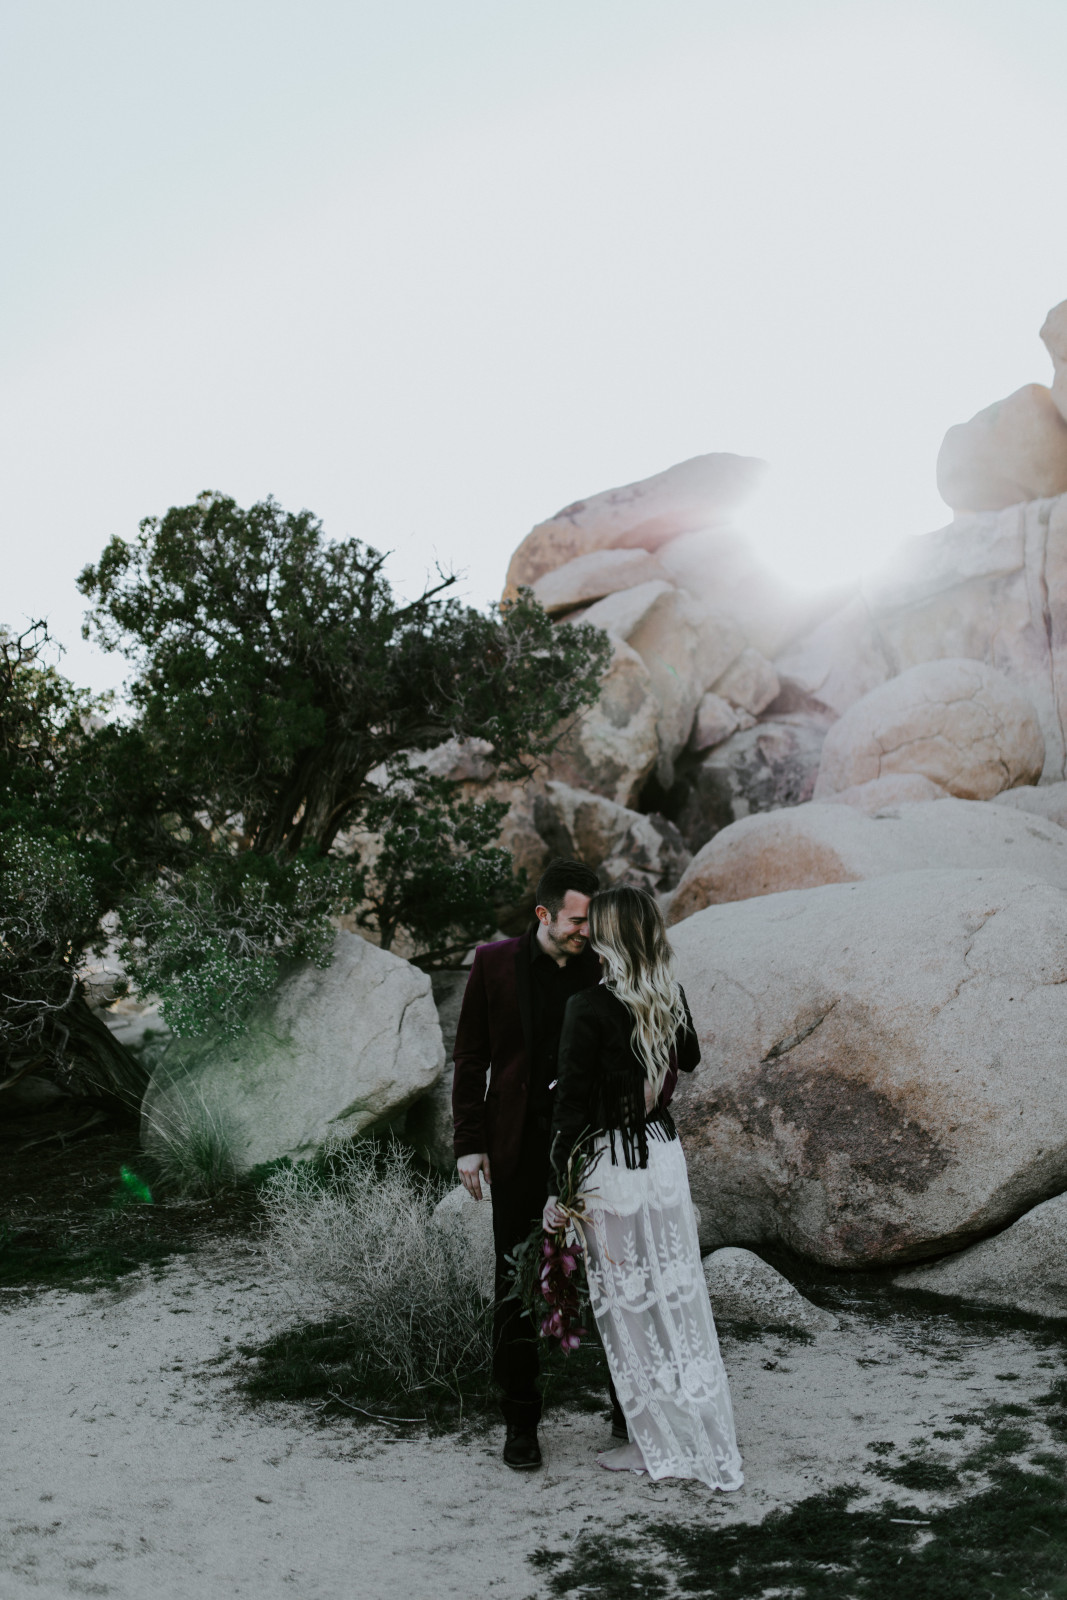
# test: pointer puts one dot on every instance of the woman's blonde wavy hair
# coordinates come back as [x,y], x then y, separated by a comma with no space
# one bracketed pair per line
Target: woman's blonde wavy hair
[627,931]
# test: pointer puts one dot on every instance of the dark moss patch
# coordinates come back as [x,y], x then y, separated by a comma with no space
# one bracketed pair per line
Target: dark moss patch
[69,1219]
[323,1365]
[1054,1407]
[918,1473]
[615,1567]
[751,1332]
[1008,1541]
[97,1256]
[999,1444]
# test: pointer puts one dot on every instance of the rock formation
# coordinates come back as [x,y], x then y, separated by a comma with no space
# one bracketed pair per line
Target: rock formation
[695,619]
[1025,1267]
[882,1063]
[745,1288]
[830,759]
[592,577]
[694,495]
[840,660]
[992,588]
[771,764]
[622,845]
[1014,450]
[334,1051]
[613,746]
[957,722]
[814,844]
[1054,337]
[684,648]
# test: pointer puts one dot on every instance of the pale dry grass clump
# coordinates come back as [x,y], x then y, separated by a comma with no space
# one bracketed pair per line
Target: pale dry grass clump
[355,1234]
[191,1142]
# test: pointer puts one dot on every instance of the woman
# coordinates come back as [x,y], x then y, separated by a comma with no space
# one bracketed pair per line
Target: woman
[646,1285]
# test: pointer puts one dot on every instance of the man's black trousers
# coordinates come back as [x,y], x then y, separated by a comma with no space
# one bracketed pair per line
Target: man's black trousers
[518,1202]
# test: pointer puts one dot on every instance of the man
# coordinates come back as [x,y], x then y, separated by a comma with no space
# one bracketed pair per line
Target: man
[509,1028]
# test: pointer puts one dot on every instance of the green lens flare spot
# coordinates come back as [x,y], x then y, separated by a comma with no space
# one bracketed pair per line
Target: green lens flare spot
[133,1188]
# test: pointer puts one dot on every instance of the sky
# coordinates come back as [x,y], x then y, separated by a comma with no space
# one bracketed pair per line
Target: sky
[434,271]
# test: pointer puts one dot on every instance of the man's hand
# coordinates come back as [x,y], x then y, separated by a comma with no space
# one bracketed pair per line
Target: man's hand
[470,1170]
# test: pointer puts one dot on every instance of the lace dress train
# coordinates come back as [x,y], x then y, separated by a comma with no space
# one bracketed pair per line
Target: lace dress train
[650,1300]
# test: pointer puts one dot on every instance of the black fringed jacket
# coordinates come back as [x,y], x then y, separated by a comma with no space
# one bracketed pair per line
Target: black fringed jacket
[601,1084]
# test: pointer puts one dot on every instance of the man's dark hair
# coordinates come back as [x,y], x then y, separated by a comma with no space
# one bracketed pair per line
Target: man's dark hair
[559,876]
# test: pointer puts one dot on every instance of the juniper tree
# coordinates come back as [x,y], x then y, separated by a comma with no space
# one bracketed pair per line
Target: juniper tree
[279,691]
[58,875]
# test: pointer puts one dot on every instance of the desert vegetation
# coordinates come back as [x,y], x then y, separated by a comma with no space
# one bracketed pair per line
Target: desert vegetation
[259,778]
[355,1234]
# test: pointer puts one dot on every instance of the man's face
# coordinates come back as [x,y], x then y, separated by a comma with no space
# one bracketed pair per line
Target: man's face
[567,933]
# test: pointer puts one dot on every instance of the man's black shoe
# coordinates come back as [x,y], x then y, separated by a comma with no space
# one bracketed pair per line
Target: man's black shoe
[618,1424]
[521,1450]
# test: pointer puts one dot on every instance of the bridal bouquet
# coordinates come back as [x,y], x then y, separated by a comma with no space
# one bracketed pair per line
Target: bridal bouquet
[549,1268]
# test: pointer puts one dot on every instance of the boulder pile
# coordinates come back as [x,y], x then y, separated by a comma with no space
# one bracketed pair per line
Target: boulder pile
[853,807]
[729,694]
[692,728]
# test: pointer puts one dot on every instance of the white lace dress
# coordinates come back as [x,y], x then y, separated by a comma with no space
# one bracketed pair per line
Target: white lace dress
[650,1300]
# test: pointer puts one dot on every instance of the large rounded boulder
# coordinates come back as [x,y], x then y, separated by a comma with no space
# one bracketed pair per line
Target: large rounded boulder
[334,1051]
[1054,337]
[883,1074]
[1024,1268]
[809,845]
[1014,450]
[639,516]
[958,722]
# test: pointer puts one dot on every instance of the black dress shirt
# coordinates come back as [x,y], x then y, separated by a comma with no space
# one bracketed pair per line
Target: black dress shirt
[551,986]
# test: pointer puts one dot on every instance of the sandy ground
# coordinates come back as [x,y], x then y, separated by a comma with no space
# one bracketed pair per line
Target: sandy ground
[132,1468]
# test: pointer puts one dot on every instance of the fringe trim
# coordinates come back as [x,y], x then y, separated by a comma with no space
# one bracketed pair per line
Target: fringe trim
[634,1140]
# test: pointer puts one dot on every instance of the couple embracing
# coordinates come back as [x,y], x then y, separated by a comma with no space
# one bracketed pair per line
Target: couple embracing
[575,1033]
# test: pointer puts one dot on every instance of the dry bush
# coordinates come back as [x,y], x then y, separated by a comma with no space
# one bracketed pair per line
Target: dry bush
[356,1236]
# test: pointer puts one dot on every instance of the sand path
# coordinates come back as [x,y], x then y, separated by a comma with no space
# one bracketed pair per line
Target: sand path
[132,1468]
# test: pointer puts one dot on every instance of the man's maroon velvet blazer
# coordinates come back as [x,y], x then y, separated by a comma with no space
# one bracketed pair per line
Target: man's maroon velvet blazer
[494,1038]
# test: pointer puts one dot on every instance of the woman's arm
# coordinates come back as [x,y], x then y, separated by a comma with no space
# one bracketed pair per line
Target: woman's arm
[685,1055]
[578,1063]
[687,1044]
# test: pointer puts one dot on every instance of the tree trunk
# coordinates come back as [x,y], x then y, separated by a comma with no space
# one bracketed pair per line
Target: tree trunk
[99,1066]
